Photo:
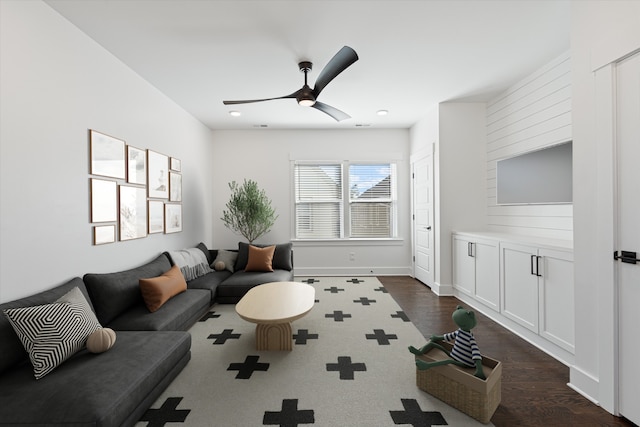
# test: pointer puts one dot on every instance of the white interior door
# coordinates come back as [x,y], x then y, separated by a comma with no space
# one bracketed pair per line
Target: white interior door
[628,235]
[423,220]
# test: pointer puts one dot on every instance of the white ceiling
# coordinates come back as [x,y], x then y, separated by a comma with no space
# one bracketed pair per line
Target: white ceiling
[413,54]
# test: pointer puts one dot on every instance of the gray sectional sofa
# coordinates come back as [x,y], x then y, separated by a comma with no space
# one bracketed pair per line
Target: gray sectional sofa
[116,387]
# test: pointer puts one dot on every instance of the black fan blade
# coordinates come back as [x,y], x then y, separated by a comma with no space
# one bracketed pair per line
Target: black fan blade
[340,62]
[248,101]
[333,112]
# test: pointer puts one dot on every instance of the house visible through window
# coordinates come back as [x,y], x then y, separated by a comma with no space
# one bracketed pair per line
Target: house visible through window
[344,200]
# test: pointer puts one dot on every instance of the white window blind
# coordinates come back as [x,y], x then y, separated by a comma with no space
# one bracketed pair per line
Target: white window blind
[371,200]
[318,194]
[324,196]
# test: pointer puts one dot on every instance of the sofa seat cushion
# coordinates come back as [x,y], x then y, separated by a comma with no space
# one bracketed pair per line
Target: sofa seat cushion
[233,289]
[177,314]
[84,391]
[209,282]
[113,293]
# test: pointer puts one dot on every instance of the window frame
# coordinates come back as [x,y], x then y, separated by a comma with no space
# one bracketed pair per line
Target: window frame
[347,201]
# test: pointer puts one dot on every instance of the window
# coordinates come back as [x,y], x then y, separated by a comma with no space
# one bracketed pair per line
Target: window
[326,194]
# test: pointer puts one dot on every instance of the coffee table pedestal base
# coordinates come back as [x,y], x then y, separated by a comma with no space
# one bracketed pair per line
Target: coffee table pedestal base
[274,337]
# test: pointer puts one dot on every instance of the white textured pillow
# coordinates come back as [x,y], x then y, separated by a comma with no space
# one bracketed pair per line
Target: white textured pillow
[51,333]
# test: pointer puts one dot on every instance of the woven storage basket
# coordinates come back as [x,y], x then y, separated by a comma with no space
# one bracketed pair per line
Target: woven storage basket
[457,386]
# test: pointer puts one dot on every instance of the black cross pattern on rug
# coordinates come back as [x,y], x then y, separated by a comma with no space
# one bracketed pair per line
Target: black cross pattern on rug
[222,337]
[381,336]
[346,367]
[415,416]
[289,415]
[167,413]
[364,301]
[338,316]
[401,315]
[310,281]
[356,281]
[382,289]
[248,367]
[334,290]
[303,335]
[209,315]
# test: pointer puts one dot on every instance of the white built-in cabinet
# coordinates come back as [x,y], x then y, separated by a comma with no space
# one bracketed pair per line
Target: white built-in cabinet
[526,284]
[475,269]
[537,291]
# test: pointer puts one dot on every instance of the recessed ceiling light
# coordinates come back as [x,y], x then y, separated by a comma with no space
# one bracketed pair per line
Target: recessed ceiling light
[235,113]
[382,112]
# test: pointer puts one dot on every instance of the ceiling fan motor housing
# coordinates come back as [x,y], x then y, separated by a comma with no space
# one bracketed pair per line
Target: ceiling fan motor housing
[305,66]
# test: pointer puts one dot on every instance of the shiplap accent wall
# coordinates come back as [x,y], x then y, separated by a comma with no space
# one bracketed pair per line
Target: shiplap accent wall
[532,114]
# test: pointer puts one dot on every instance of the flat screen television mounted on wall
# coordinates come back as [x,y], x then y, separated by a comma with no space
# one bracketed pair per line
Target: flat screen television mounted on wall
[537,177]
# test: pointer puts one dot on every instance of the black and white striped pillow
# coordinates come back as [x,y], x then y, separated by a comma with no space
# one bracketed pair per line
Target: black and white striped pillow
[52,333]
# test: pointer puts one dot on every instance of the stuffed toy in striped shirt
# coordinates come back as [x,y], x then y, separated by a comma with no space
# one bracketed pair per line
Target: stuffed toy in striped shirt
[465,351]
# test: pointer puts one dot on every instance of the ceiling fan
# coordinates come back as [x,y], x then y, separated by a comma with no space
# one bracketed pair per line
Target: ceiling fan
[306,96]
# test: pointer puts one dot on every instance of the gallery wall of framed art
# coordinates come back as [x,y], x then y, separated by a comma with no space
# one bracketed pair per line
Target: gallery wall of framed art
[134,192]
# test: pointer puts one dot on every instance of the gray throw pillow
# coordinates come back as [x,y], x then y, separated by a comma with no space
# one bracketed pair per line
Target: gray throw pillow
[227,257]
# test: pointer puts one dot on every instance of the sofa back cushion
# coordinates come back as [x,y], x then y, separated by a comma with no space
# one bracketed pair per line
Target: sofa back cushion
[282,257]
[13,351]
[113,293]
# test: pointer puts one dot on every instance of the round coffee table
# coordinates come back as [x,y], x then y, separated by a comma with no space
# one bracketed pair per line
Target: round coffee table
[273,306]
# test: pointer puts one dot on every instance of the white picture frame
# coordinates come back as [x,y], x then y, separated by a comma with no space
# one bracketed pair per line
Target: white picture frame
[175,187]
[158,175]
[107,155]
[133,212]
[156,216]
[172,218]
[104,200]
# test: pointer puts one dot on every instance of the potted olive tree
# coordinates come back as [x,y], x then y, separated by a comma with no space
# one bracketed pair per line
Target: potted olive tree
[249,212]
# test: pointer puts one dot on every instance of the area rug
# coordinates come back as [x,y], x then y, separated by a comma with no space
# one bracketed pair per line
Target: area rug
[349,367]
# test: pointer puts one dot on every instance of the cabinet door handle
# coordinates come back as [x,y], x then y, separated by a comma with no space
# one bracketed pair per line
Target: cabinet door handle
[470,249]
[535,261]
[531,264]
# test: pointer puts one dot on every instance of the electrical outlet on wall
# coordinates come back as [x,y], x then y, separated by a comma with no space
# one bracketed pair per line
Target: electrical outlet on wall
[352,256]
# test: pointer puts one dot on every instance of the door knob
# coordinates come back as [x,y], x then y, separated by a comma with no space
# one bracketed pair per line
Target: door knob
[428,227]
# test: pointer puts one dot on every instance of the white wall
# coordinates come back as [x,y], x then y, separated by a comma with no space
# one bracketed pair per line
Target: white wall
[601,32]
[532,114]
[56,83]
[458,130]
[460,156]
[265,156]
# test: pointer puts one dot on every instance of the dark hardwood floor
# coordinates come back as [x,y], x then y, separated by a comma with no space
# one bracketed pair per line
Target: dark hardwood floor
[534,385]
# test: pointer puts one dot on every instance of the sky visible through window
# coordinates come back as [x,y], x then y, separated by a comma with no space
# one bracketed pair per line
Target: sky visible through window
[362,177]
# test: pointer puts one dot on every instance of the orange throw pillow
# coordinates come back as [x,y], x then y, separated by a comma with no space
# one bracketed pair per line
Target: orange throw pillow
[260,259]
[158,290]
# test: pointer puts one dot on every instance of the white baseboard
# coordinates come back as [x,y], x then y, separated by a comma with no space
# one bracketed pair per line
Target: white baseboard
[352,271]
[584,383]
[442,290]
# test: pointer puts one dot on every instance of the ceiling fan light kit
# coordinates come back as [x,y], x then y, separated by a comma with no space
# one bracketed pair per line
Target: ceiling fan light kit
[306,96]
